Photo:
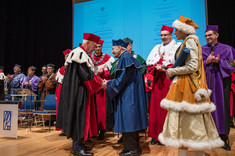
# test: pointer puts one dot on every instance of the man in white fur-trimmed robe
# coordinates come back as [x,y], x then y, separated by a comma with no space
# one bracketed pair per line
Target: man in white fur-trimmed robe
[161,55]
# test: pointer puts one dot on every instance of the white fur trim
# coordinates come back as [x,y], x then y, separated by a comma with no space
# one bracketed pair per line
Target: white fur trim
[59,77]
[169,50]
[187,107]
[210,91]
[191,143]
[80,56]
[107,65]
[201,94]
[188,29]
[2,76]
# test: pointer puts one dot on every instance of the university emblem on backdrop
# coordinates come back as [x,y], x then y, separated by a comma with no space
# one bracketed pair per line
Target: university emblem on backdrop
[7,120]
[102,9]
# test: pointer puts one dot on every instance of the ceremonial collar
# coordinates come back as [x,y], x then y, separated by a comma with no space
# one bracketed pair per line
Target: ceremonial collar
[209,45]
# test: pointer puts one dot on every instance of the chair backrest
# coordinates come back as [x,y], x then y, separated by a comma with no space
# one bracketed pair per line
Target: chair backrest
[8,96]
[29,103]
[50,102]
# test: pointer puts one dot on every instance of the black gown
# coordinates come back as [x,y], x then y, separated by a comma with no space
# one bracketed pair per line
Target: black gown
[73,98]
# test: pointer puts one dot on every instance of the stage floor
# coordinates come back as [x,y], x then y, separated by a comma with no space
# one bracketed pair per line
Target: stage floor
[39,142]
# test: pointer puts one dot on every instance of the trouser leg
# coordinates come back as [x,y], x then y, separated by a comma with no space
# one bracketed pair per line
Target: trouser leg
[131,141]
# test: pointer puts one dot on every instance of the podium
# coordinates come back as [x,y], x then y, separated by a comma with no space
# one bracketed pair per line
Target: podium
[8,119]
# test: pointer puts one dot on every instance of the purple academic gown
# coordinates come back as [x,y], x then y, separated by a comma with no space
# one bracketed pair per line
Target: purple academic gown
[216,76]
[34,83]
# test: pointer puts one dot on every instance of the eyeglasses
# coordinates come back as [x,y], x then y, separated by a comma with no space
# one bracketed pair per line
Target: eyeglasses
[209,35]
[164,35]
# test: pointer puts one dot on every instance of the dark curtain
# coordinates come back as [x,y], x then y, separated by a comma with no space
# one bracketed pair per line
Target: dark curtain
[34,32]
[221,13]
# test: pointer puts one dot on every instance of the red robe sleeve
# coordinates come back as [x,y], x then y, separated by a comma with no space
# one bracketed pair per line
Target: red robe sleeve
[93,85]
[155,73]
[106,75]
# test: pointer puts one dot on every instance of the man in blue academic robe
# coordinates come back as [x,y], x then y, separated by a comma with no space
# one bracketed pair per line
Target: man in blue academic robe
[127,90]
[218,70]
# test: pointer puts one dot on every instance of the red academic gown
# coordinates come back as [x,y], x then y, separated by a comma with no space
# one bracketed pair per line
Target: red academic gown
[102,59]
[58,88]
[93,86]
[157,115]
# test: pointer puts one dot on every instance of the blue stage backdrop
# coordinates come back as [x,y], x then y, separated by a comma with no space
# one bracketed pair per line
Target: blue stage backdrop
[140,20]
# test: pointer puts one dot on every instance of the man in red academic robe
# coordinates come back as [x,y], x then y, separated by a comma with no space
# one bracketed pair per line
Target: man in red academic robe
[76,113]
[232,101]
[59,78]
[162,55]
[102,63]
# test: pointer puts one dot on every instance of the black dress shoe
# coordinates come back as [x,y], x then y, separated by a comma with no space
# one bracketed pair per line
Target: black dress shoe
[62,134]
[130,153]
[154,141]
[82,152]
[100,137]
[232,126]
[87,148]
[120,140]
[226,147]
[88,140]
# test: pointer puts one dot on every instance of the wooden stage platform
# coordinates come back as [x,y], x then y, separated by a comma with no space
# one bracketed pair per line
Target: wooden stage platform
[39,142]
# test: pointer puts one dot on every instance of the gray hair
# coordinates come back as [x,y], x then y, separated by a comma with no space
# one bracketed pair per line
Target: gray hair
[123,48]
[84,41]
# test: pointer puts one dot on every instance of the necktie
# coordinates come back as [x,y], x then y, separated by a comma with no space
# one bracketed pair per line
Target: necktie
[212,49]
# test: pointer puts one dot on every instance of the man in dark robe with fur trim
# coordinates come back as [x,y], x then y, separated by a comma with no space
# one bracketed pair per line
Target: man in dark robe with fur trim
[76,112]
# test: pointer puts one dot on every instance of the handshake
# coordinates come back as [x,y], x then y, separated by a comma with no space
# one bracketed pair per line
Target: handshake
[104,84]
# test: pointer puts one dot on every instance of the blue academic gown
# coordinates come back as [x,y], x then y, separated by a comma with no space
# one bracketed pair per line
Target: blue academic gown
[15,83]
[127,90]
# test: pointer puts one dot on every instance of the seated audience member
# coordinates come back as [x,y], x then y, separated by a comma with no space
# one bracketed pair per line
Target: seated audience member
[31,81]
[14,81]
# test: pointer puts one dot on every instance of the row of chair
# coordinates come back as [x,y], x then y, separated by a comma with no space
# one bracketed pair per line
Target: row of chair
[29,106]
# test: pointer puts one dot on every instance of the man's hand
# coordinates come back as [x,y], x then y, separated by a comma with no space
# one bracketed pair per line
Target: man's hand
[26,83]
[104,84]
[209,58]
[159,68]
[100,71]
[44,79]
[215,59]
[10,78]
[167,75]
